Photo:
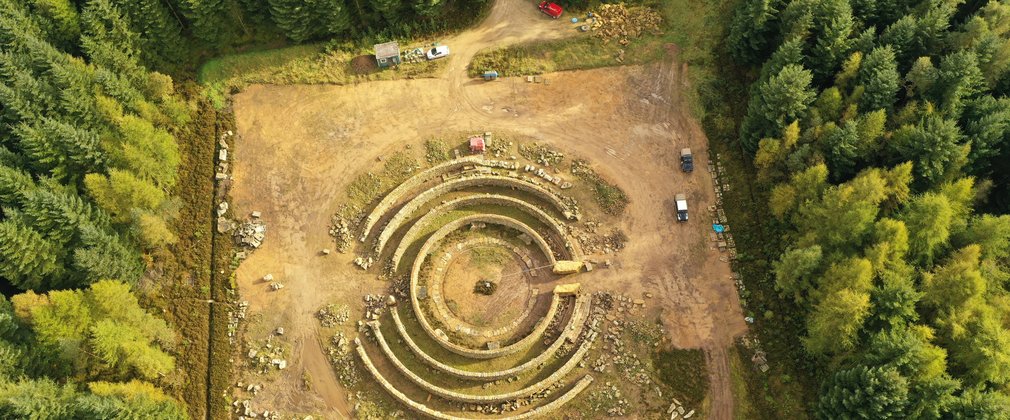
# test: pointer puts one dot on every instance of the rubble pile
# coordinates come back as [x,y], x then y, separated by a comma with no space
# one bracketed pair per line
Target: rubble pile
[609,400]
[340,230]
[616,21]
[339,353]
[592,241]
[541,154]
[332,315]
[677,411]
[499,149]
[233,320]
[251,233]
[266,356]
[374,305]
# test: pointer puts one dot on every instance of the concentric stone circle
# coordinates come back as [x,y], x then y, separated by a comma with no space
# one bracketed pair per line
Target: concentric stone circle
[487,203]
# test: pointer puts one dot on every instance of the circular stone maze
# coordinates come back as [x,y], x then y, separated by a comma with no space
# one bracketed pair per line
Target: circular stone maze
[485,318]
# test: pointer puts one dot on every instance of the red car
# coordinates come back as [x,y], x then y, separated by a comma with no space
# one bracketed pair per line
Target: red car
[550,9]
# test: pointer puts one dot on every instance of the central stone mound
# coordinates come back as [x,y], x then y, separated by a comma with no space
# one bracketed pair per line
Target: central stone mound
[502,289]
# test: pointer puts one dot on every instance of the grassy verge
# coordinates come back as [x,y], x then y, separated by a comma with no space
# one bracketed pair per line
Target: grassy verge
[185,267]
[684,371]
[222,290]
[302,64]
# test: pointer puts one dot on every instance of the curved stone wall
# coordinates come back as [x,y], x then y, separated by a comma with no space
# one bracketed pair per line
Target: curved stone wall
[422,409]
[410,208]
[450,395]
[467,181]
[450,319]
[415,181]
[440,338]
[571,332]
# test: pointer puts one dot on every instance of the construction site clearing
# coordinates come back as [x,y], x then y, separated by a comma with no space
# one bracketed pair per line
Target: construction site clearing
[536,271]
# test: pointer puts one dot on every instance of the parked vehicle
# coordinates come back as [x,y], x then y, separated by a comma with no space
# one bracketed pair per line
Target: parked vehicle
[550,9]
[438,52]
[681,207]
[686,160]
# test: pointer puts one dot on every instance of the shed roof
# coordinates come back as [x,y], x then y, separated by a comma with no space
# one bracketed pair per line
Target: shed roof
[476,143]
[387,49]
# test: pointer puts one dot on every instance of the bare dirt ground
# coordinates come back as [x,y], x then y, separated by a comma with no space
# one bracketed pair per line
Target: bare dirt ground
[298,147]
[492,310]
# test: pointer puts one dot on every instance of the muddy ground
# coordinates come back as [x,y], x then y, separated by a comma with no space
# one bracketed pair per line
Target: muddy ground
[298,147]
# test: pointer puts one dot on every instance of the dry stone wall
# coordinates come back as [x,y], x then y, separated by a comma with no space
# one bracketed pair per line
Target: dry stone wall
[451,395]
[402,215]
[422,409]
[571,332]
[410,184]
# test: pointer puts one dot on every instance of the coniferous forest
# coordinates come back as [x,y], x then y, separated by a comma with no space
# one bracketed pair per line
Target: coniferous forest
[880,130]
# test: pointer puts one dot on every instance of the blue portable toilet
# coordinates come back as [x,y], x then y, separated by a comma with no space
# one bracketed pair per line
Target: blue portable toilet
[490,75]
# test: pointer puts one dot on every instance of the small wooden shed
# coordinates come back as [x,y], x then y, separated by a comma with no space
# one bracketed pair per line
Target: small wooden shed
[387,54]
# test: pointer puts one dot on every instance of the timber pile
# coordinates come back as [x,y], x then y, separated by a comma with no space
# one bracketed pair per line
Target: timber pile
[615,21]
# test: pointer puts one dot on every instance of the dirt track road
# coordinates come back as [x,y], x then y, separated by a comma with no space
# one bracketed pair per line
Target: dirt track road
[299,146]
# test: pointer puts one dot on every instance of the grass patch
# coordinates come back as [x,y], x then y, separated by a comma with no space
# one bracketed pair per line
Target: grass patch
[437,151]
[369,186]
[580,52]
[684,371]
[301,64]
[485,256]
[610,197]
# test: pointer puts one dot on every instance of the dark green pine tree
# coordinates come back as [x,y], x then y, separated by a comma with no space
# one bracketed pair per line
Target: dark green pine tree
[864,393]
[391,10]
[782,99]
[297,18]
[428,8]
[206,18]
[751,31]
[102,255]
[27,259]
[986,122]
[958,80]
[879,77]
[61,150]
[833,27]
[160,32]
[58,214]
[335,16]
[14,184]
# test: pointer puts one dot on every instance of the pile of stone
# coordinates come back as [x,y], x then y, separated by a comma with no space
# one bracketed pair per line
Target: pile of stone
[233,320]
[374,305]
[541,154]
[222,156]
[251,233]
[677,411]
[499,149]
[243,409]
[339,353]
[340,230]
[593,241]
[553,179]
[265,357]
[609,398]
[616,21]
[332,315]
[364,262]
